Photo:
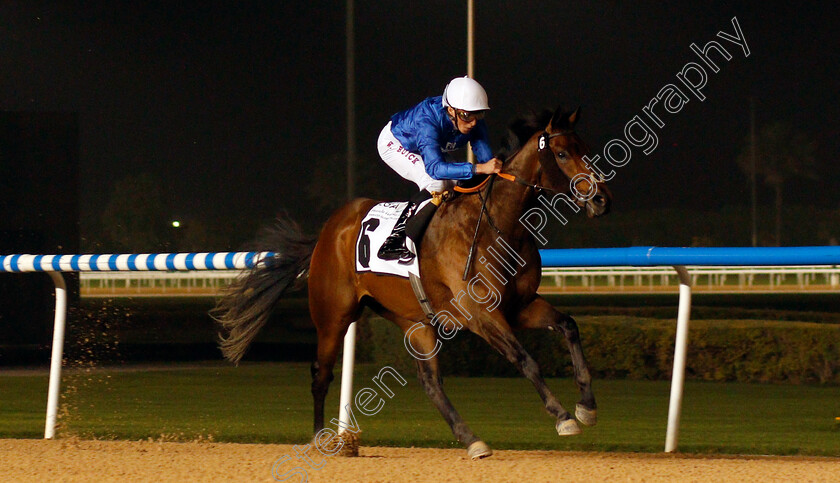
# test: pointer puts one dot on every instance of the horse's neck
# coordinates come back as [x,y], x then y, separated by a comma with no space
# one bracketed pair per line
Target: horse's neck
[510,200]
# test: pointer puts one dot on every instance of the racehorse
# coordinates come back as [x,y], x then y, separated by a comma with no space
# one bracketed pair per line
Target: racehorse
[544,166]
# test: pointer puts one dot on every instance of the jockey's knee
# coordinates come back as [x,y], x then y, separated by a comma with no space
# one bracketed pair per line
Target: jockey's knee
[436,185]
[415,227]
[420,196]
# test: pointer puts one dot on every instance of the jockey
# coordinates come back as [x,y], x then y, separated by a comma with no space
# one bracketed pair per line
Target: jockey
[416,143]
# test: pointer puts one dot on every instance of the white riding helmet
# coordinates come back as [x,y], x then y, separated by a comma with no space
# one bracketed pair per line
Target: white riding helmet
[465,94]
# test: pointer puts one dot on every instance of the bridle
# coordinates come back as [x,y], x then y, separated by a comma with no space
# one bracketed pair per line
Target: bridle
[547,162]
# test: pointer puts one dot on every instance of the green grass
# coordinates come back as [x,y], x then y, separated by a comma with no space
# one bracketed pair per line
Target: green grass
[271,403]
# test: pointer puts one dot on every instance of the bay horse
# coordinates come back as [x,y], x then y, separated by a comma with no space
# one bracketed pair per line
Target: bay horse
[545,156]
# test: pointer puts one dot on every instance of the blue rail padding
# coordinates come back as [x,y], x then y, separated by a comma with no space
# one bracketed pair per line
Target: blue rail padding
[17,263]
[130,262]
[208,260]
[189,261]
[570,257]
[703,256]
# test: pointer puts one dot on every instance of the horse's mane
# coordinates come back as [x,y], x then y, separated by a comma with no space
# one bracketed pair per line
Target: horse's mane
[520,131]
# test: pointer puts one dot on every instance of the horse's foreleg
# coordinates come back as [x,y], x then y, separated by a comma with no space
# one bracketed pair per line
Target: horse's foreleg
[500,337]
[539,314]
[423,341]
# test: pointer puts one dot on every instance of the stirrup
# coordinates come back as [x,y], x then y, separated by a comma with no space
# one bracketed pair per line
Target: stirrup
[394,244]
[406,258]
[395,248]
[439,197]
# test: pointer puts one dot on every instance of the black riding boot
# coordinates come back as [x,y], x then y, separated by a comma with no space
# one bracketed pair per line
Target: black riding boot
[415,228]
[393,248]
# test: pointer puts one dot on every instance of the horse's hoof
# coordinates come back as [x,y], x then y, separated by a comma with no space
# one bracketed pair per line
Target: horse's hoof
[586,416]
[567,427]
[479,450]
[345,443]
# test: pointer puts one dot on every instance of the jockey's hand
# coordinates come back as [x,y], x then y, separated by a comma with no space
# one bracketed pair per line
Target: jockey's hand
[490,167]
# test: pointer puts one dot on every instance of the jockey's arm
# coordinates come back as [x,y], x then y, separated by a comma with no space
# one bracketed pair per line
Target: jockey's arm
[436,165]
[489,167]
[485,162]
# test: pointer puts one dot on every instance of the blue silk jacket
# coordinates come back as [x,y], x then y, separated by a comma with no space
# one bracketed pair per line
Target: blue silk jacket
[426,129]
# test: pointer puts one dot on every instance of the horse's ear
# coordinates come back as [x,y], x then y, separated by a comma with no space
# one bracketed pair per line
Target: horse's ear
[558,121]
[573,117]
[563,121]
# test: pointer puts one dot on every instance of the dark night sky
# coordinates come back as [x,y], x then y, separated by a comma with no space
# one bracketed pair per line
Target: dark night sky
[230,102]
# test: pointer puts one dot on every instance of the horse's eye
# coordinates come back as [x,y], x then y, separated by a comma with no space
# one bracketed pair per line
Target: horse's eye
[562,155]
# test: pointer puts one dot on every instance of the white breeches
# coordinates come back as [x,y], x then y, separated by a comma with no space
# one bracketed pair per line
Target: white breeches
[408,165]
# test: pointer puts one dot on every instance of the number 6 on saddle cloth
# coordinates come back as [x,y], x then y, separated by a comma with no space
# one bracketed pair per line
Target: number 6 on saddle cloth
[403,235]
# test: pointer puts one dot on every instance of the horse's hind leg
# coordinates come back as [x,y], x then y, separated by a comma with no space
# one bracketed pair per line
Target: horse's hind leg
[423,341]
[322,373]
[541,315]
[331,316]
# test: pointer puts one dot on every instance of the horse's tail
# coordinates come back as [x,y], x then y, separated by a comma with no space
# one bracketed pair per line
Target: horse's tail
[247,303]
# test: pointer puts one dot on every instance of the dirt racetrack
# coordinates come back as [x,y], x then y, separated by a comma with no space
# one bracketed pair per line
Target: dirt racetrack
[79,460]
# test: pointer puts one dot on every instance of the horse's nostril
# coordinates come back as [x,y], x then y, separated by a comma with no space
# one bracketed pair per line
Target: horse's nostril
[599,200]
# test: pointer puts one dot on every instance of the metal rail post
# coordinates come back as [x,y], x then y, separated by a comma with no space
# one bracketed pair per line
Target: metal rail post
[347,362]
[680,347]
[57,353]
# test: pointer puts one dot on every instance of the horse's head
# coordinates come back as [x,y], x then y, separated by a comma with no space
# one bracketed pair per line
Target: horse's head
[562,169]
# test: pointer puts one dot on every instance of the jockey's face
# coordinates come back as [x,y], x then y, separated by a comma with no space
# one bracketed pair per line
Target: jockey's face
[464,121]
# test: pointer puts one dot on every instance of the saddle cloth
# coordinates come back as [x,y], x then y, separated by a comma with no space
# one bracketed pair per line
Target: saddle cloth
[376,226]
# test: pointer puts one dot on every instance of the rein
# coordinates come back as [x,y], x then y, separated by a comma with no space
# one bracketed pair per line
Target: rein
[507,176]
[478,225]
[516,179]
[546,160]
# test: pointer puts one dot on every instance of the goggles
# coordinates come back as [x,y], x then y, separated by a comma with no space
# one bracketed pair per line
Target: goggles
[468,116]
